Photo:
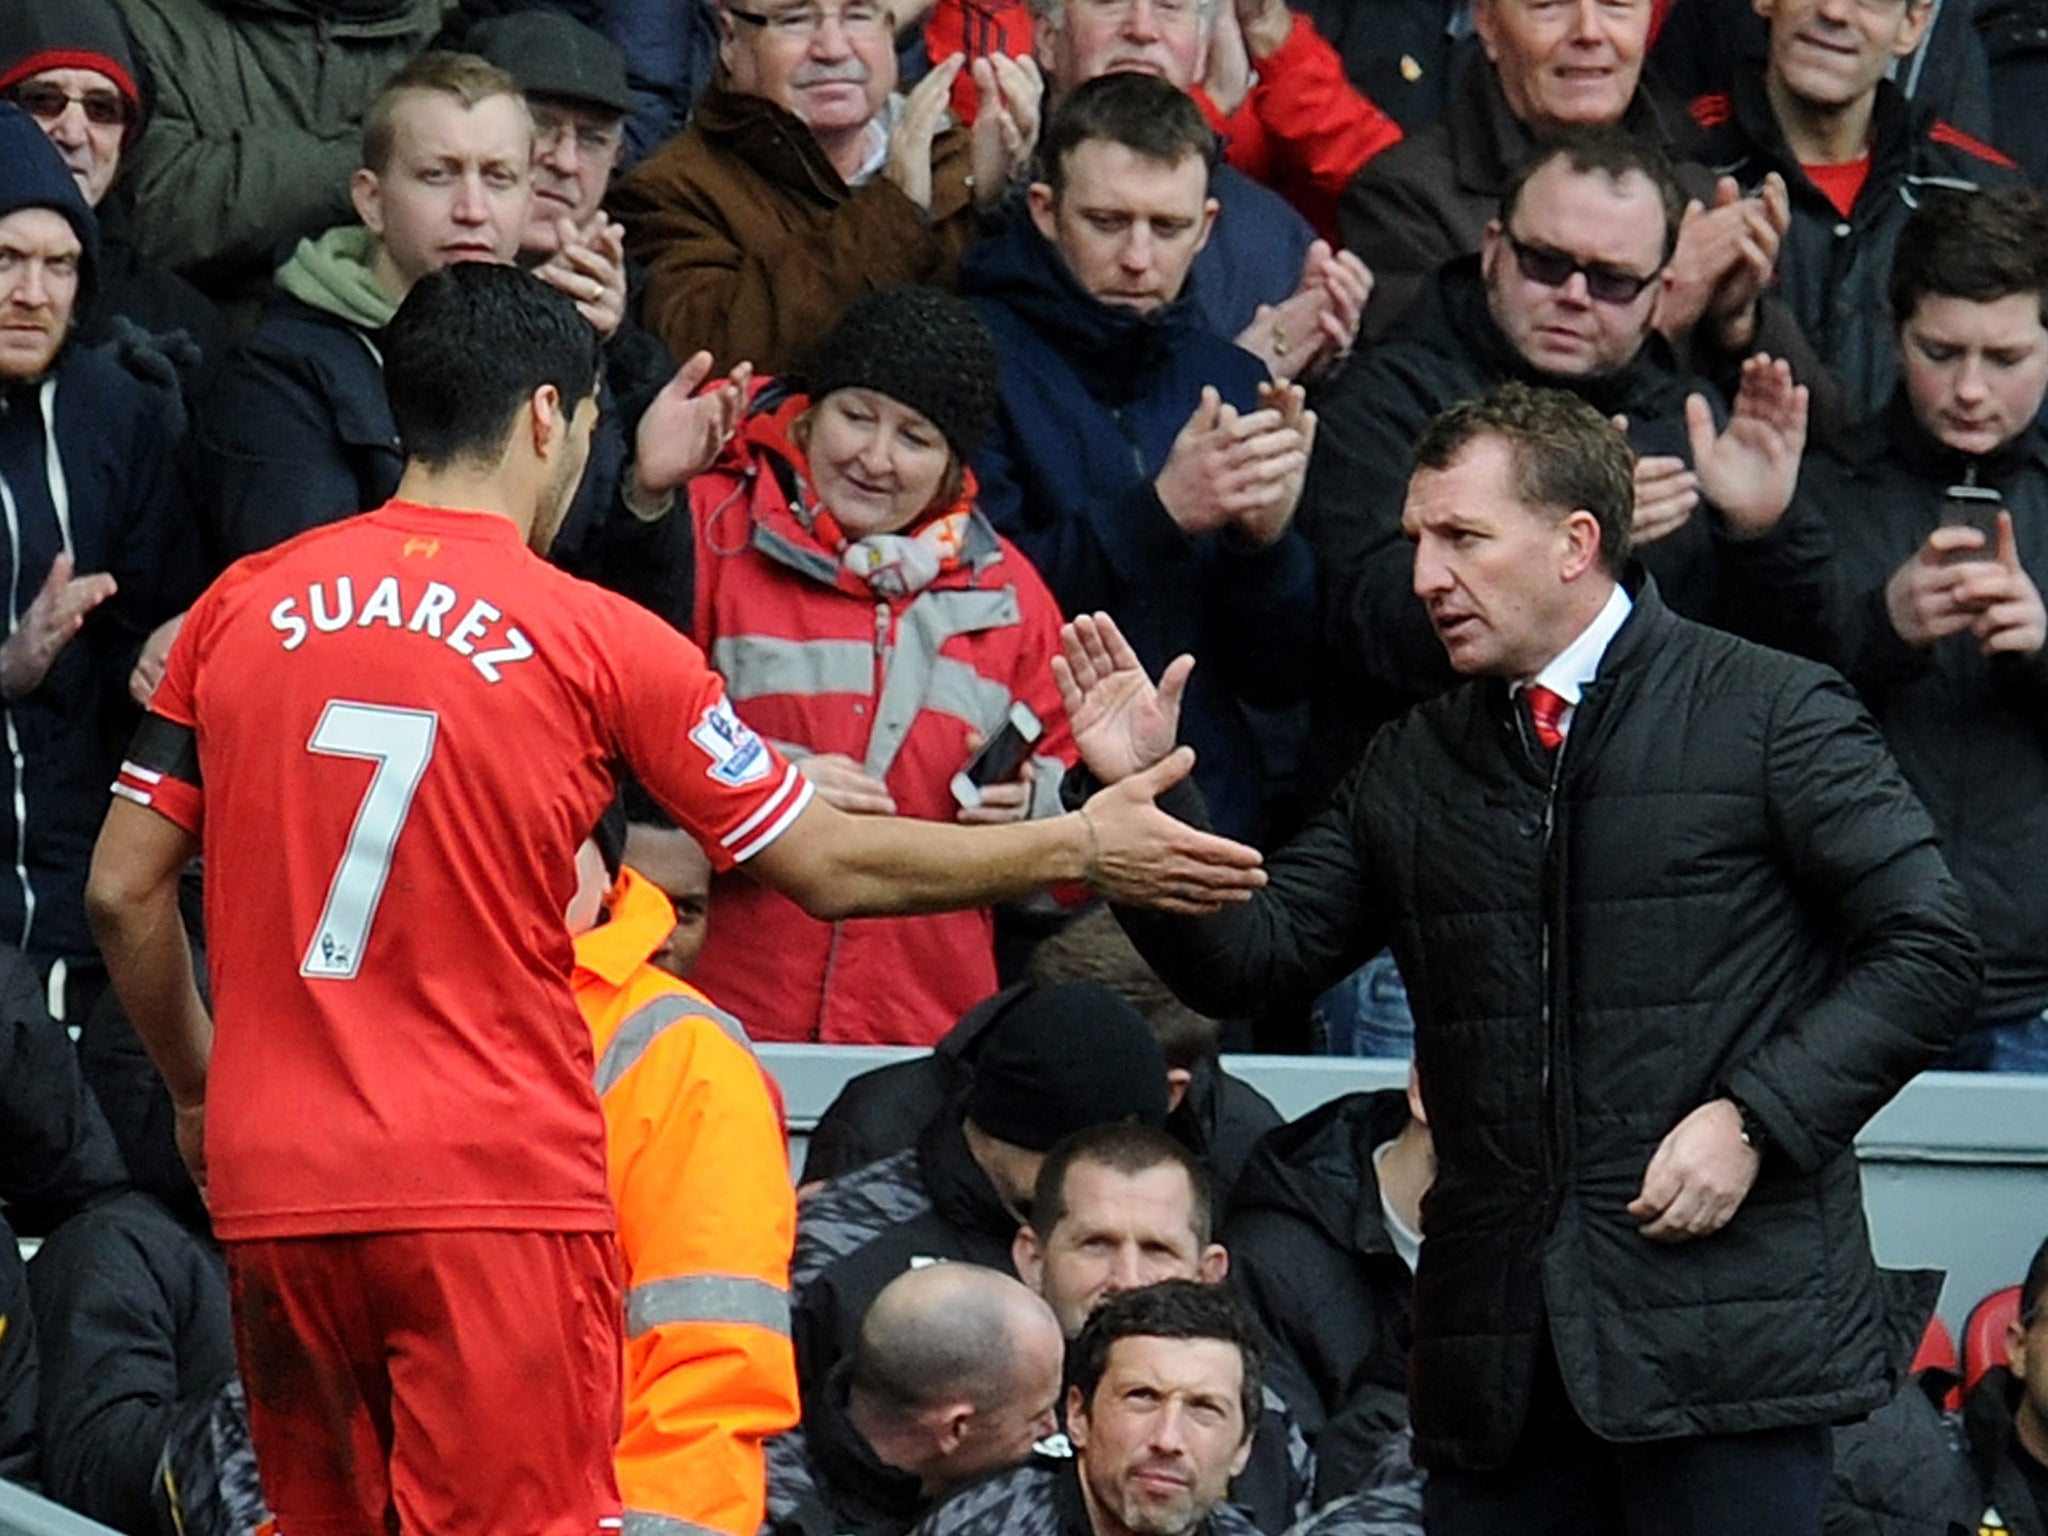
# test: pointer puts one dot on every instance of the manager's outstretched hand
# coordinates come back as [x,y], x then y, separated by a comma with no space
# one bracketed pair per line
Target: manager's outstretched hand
[1143,857]
[1121,722]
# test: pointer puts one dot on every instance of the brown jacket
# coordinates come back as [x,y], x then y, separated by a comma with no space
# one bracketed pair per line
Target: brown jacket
[753,244]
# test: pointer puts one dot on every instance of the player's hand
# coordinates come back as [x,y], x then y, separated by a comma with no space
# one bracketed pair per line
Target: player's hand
[53,619]
[149,666]
[1144,857]
[1749,470]
[682,430]
[1121,723]
[189,1129]
[1698,1177]
[844,784]
[1927,597]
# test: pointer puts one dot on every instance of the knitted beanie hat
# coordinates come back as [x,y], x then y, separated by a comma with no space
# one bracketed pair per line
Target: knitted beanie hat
[1062,1058]
[922,348]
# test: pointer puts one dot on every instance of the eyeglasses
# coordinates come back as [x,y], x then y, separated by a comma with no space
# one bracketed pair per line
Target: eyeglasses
[46,103]
[859,19]
[1554,268]
[551,127]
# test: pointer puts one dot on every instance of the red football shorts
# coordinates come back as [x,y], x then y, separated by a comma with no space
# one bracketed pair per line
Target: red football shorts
[440,1383]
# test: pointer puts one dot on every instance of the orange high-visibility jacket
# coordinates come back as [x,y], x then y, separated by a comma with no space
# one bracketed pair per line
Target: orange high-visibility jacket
[700,1175]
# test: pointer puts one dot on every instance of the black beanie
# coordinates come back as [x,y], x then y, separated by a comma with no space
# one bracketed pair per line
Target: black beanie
[922,348]
[1061,1059]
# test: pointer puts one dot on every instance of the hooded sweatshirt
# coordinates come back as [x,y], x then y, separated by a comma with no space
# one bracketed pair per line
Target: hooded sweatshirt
[85,471]
[332,273]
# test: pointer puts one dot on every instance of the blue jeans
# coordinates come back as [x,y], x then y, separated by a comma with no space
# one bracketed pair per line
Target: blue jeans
[1366,1014]
[2011,1045]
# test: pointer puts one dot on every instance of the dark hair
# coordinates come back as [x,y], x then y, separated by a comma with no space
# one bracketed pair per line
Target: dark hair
[1172,1309]
[465,76]
[1094,947]
[1144,114]
[1611,152]
[1978,246]
[2034,1289]
[1123,1148]
[470,344]
[1566,456]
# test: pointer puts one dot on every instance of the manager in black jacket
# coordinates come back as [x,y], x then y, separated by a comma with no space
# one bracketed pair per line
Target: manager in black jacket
[1668,950]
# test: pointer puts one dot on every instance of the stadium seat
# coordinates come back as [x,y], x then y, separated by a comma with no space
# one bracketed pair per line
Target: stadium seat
[1984,1333]
[1937,1349]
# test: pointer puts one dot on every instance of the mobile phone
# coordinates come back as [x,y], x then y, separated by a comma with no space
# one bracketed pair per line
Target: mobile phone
[1973,506]
[1000,756]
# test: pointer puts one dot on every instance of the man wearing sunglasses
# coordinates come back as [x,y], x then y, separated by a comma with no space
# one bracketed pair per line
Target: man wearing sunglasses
[67,64]
[1566,291]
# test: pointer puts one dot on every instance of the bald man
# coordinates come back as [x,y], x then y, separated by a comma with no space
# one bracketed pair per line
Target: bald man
[955,1374]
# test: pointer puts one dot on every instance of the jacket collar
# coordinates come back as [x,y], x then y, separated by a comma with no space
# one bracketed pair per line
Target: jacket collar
[640,922]
[1113,347]
[1894,438]
[861,1486]
[764,457]
[775,143]
[961,1193]
[1894,125]
[1488,142]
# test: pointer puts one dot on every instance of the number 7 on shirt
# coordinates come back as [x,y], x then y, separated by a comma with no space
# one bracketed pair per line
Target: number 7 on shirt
[401,743]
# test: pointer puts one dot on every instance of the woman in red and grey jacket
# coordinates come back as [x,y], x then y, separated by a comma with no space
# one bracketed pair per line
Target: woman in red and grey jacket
[868,620]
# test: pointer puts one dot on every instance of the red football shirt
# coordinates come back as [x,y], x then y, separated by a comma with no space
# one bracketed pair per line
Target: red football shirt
[392,733]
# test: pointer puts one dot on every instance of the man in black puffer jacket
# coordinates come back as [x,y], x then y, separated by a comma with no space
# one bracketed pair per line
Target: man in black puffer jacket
[1674,928]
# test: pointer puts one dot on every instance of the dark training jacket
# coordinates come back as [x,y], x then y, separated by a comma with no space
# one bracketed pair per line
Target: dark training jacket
[1310,1253]
[1720,885]
[1834,272]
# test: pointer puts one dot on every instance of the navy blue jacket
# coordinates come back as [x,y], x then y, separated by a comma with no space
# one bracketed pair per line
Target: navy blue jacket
[1093,395]
[110,494]
[1254,254]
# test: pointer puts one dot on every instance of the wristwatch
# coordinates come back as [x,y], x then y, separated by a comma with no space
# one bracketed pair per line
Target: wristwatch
[1755,1135]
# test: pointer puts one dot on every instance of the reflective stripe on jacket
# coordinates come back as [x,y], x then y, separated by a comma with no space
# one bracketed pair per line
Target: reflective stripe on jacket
[700,1174]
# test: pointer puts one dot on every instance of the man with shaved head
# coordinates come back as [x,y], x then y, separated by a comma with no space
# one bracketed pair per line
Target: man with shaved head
[955,1374]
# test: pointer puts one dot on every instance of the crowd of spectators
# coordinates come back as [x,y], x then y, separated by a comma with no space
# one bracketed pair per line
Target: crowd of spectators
[987,315]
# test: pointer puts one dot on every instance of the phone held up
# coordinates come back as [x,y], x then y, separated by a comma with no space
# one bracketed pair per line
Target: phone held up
[1000,756]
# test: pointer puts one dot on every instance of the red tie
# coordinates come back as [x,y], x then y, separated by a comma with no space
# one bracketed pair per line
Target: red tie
[1547,710]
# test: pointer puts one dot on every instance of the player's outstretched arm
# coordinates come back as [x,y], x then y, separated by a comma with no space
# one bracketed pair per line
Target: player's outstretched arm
[132,899]
[835,865]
